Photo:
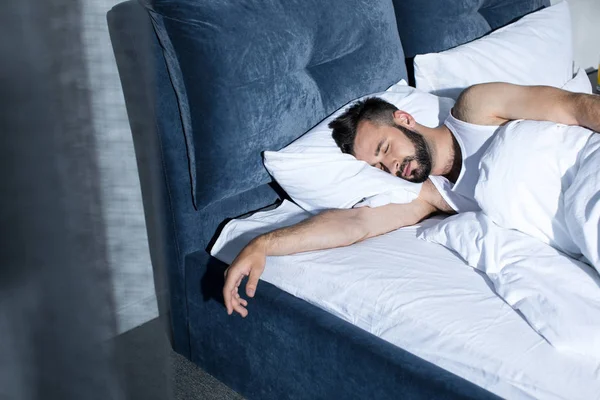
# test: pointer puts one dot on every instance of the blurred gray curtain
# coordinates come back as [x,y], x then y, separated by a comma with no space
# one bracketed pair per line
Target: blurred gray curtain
[57,306]
[133,282]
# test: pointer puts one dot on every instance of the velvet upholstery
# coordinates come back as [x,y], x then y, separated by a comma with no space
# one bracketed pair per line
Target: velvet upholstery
[175,228]
[456,22]
[253,75]
[190,141]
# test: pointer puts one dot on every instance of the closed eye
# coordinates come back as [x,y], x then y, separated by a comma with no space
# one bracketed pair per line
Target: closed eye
[387,149]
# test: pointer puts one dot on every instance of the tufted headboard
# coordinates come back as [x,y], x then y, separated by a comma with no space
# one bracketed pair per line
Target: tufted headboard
[253,75]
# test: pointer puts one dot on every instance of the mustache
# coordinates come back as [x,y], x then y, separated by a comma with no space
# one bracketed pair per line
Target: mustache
[403,165]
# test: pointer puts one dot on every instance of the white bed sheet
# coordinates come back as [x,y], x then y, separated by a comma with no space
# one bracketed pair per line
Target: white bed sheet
[424,299]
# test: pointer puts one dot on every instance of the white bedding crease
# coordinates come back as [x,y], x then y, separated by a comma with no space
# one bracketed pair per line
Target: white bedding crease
[557,295]
[543,179]
[423,298]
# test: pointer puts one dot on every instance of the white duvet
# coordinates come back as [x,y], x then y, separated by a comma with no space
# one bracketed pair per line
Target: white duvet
[537,237]
[423,298]
[558,296]
[543,179]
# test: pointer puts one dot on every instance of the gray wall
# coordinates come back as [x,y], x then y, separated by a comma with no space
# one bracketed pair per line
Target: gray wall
[128,254]
[586,32]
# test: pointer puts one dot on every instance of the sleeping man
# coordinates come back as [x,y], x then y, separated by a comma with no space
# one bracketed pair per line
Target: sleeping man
[446,159]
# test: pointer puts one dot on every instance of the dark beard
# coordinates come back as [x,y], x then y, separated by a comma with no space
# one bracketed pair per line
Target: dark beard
[422,157]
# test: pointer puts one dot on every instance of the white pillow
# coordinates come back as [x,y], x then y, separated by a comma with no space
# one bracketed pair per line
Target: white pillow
[558,296]
[535,50]
[580,83]
[317,175]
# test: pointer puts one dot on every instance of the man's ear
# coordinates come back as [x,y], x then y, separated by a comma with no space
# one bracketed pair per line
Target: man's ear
[403,118]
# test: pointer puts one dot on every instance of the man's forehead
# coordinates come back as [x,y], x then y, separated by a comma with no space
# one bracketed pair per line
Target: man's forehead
[368,137]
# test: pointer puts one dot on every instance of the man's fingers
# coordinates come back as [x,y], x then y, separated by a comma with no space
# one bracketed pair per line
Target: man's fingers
[227,288]
[231,285]
[233,301]
[241,310]
[231,296]
[228,305]
[237,303]
[252,282]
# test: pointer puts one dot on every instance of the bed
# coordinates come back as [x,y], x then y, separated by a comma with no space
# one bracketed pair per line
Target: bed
[210,85]
[421,297]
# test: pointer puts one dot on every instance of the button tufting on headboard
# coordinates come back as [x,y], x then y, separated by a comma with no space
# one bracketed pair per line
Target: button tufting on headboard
[254,75]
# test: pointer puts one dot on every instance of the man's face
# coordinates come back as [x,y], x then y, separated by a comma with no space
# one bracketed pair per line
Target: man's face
[394,149]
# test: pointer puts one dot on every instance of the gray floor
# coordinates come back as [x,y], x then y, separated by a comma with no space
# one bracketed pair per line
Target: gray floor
[149,369]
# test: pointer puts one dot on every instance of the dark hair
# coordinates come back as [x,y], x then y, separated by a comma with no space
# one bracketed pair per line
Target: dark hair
[372,109]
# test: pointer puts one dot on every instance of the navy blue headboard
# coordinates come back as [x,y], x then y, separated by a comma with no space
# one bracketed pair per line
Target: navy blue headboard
[252,75]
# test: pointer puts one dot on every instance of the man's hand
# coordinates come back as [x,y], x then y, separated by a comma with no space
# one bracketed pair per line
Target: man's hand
[250,262]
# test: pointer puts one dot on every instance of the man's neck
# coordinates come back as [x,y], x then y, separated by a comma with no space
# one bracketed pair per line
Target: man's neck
[446,156]
[456,162]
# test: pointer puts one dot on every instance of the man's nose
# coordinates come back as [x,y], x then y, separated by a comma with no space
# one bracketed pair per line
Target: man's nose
[392,165]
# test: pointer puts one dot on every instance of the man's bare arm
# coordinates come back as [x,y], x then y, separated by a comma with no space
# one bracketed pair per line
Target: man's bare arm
[338,228]
[587,111]
[334,228]
[497,103]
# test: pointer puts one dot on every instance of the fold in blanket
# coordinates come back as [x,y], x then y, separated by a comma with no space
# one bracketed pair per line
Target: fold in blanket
[582,203]
[558,296]
[541,179]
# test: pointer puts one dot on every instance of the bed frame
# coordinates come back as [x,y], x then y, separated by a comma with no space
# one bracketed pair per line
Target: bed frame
[207,89]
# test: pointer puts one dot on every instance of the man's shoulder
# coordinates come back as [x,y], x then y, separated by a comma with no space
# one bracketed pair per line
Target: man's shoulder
[461,110]
[472,107]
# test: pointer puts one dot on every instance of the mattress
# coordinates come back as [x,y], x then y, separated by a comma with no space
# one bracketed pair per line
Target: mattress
[421,297]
